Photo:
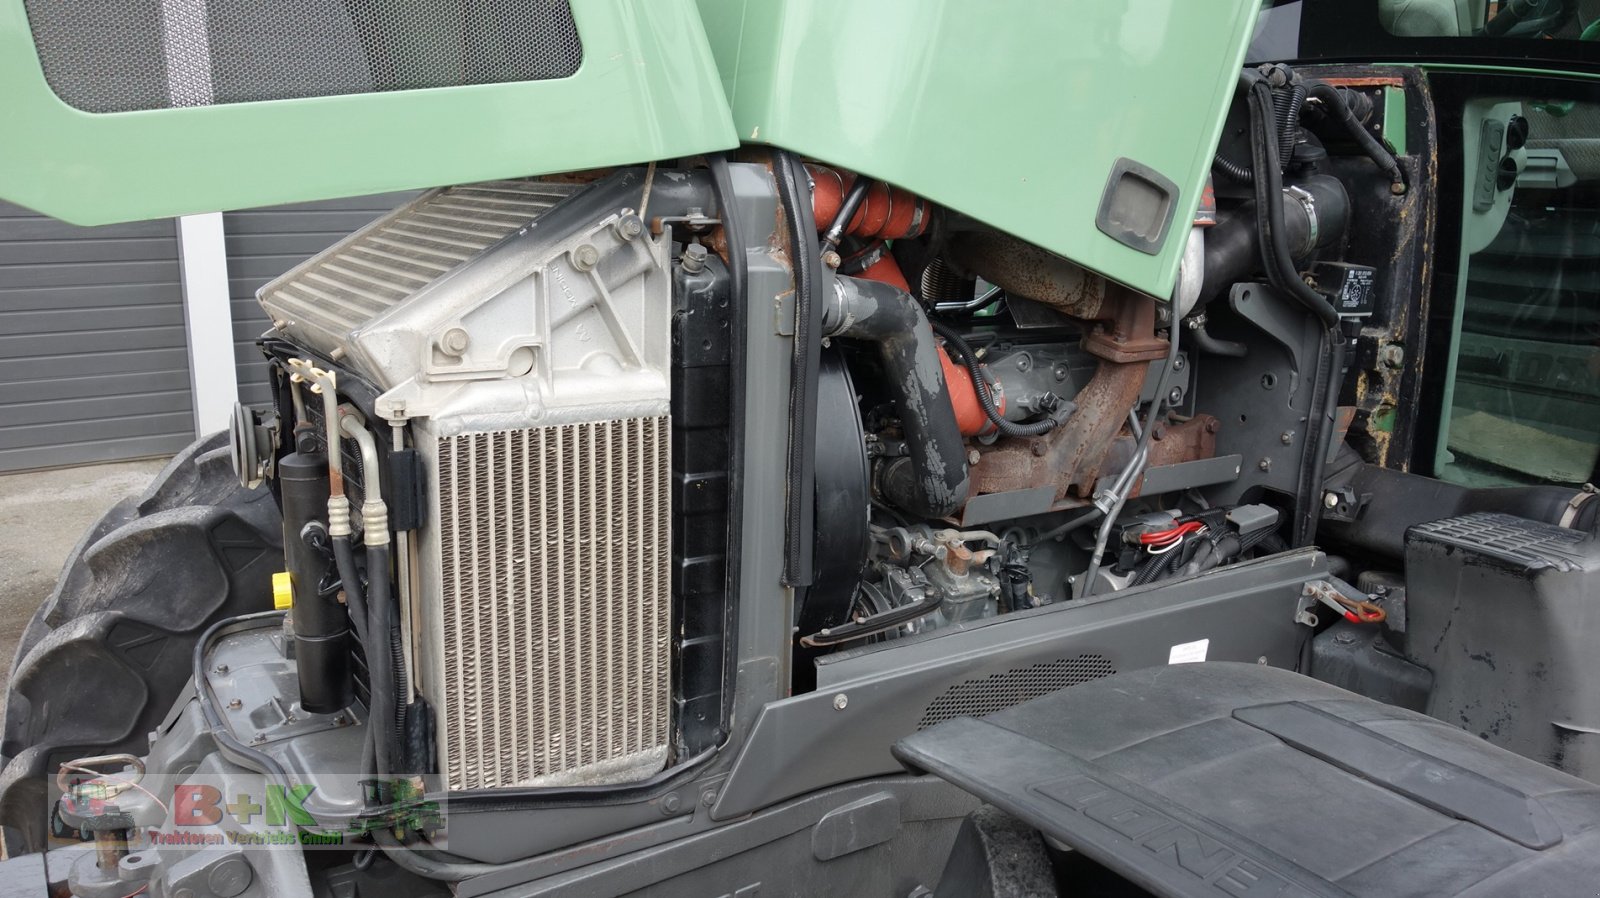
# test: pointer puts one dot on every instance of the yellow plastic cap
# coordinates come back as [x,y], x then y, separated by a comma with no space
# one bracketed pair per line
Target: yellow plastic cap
[282,591]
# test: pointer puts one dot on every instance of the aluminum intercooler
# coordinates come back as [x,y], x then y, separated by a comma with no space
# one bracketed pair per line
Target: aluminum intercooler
[521,330]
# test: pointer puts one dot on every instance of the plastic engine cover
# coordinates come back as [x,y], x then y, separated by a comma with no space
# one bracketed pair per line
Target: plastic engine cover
[1234,779]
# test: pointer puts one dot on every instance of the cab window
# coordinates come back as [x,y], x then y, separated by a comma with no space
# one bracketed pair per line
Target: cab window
[1522,391]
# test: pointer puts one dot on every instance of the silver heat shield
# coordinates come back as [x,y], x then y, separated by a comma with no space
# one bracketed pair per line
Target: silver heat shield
[522,329]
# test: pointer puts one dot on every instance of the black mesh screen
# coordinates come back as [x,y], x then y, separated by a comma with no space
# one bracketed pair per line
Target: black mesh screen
[123,55]
[997,692]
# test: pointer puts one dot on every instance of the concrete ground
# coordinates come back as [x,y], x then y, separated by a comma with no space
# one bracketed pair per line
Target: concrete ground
[42,516]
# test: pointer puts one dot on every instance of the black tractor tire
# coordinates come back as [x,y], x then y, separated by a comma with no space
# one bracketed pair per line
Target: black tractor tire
[107,655]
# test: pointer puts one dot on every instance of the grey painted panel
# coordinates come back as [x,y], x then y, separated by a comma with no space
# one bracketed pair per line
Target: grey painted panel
[71,249]
[264,243]
[806,742]
[131,363]
[93,352]
[88,272]
[55,321]
[97,409]
[93,451]
[61,433]
[100,296]
[105,385]
[87,339]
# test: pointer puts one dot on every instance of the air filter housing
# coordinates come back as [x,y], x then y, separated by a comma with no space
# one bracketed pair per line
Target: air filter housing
[522,329]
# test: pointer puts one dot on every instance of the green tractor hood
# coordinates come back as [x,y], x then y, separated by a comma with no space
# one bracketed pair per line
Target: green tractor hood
[1083,126]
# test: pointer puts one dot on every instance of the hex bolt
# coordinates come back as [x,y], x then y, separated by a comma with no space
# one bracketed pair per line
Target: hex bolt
[222,670]
[1330,500]
[1262,660]
[454,341]
[974,456]
[1286,438]
[671,803]
[1344,638]
[258,738]
[629,226]
[840,702]
[694,258]
[831,259]
[1392,355]
[585,257]
[708,797]
[1265,464]
[341,720]
[1040,448]
[235,705]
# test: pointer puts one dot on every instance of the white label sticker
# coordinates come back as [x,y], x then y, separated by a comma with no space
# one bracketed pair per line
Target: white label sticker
[1189,652]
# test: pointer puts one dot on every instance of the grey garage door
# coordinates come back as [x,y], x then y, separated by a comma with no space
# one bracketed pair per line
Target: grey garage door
[264,243]
[93,356]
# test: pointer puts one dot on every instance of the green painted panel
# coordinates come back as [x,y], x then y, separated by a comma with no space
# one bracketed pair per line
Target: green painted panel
[648,88]
[1011,111]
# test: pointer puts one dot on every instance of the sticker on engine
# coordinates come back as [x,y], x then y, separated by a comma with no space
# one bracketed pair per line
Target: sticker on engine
[1189,652]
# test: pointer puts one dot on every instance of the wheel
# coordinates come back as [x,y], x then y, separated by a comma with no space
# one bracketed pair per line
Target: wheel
[106,656]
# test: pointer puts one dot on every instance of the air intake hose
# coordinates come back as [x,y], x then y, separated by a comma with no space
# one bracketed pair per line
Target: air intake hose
[932,481]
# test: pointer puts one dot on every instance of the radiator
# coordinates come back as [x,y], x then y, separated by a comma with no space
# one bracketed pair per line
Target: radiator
[554,546]
[522,332]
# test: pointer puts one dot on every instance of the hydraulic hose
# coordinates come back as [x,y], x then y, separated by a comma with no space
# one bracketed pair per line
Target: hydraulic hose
[933,481]
[1333,102]
[980,387]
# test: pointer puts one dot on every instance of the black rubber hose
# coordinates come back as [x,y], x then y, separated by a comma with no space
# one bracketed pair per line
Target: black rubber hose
[419,863]
[980,386]
[1217,346]
[847,211]
[344,559]
[386,707]
[933,481]
[1333,103]
[378,558]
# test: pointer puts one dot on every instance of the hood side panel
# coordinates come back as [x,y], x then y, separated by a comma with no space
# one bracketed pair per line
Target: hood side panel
[1013,113]
[647,88]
